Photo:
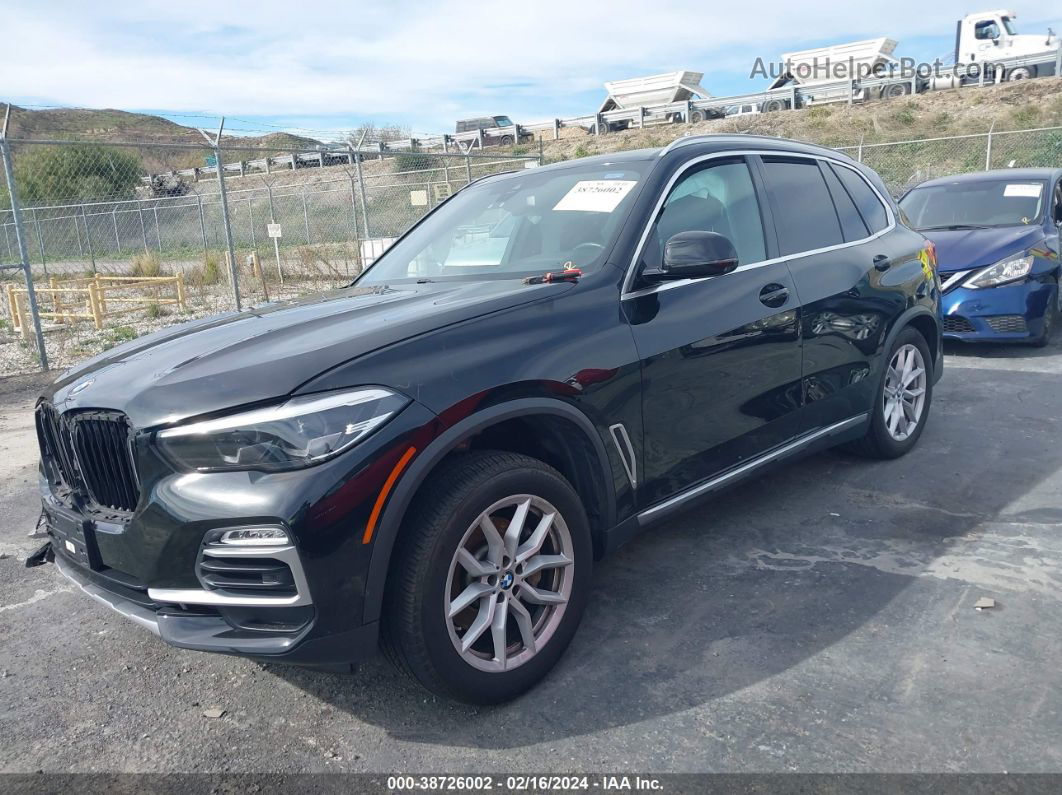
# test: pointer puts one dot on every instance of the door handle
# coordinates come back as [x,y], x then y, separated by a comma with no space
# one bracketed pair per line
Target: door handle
[774,295]
[882,262]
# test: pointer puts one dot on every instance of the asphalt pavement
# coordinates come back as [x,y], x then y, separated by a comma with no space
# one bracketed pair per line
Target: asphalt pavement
[819,619]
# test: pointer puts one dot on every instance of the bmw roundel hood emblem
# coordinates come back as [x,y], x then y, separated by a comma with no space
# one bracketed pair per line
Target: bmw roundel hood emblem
[81,387]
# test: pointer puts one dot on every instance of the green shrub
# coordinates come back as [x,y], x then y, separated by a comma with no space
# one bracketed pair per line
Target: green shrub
[581,151]
[904,116]
[412,161]
[118,335]
[1026,116]
[76,173]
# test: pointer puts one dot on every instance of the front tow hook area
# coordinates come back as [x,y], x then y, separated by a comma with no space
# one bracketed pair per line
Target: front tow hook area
[41,556]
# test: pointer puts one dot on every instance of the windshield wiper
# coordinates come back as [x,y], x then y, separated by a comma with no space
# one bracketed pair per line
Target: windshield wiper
[953,226]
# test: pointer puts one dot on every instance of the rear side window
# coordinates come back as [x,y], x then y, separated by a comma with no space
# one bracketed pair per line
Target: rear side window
[870,206]
[803,210]
[851,221]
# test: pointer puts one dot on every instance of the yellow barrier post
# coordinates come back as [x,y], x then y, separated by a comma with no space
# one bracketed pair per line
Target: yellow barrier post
[180,290]
[94,304]
[20,317]
[57,304]
[101,293]
[12,308]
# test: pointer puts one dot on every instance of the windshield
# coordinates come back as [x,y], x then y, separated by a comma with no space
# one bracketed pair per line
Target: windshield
[974,204]
[503,121]
[520,225]
[1008,23]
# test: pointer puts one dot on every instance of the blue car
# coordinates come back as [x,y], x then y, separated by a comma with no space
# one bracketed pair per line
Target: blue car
[997,244]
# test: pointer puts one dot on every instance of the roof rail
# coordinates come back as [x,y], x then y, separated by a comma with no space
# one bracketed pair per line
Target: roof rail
[686,139]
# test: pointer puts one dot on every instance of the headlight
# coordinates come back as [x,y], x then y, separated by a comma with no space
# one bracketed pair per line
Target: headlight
[297,433]
[1006,270]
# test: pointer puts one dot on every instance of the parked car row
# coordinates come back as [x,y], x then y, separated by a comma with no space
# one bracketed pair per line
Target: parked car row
[997,240]
[548,363]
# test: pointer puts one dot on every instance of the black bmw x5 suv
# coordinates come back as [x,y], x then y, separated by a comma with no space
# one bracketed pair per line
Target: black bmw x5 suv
[434,456]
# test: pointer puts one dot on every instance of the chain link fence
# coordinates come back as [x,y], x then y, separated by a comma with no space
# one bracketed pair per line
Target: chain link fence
[904,164]
[118,246]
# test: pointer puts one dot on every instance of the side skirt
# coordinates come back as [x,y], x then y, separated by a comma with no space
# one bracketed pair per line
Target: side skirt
[809,442]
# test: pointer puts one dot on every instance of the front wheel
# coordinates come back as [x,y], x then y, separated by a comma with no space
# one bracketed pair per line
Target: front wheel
[490,577]
[902,399]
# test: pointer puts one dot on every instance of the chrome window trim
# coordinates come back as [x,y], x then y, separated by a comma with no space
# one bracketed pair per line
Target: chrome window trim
[632,267]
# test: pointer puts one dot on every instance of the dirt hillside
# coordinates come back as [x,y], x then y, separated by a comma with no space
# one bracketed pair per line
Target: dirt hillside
[1011,106]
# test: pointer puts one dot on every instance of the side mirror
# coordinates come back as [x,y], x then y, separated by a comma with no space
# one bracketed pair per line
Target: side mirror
[696,255]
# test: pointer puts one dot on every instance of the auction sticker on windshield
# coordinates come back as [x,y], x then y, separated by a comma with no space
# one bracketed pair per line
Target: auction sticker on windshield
[1025,191]
[595,195]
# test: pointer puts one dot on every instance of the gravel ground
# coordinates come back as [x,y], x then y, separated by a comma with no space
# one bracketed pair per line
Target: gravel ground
[820,619]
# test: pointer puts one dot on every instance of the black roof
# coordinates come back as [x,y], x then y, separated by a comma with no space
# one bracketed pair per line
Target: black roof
[704,143]
[997,175]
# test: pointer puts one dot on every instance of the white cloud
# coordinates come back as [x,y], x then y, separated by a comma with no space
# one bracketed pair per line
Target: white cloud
[425,60]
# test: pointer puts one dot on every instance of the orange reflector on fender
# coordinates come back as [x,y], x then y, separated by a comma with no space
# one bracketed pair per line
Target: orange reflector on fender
[381,498]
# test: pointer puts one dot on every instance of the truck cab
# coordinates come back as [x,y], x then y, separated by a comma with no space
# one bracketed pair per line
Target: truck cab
[993,36]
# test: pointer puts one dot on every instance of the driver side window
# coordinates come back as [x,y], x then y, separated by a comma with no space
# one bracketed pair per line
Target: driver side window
[717,197]
[986,30]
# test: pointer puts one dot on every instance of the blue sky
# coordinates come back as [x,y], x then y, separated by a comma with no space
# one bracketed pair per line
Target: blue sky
[327,66]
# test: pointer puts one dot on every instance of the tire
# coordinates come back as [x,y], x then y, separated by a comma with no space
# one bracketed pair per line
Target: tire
[1021,73]
[1050,318]
[897,90]
[773,105]
[696,116]
[423,636]
[880,441]
[506,140]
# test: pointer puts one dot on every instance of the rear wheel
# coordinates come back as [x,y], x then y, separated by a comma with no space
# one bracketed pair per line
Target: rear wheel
[897,90]
[490,579]
[1021,73]
[902,400]
[772,105]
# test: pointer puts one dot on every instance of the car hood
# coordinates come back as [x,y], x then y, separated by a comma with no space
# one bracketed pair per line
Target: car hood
[962,249]
[270,351]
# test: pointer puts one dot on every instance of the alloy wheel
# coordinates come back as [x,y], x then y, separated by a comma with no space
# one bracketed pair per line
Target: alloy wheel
[905,392]
[509,583]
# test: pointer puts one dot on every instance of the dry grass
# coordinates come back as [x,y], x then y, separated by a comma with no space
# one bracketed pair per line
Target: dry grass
[146,264]
[1010,106]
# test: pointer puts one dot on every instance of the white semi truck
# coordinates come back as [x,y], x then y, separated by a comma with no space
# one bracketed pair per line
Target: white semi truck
[653,90]
[991,36]
[988,48]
